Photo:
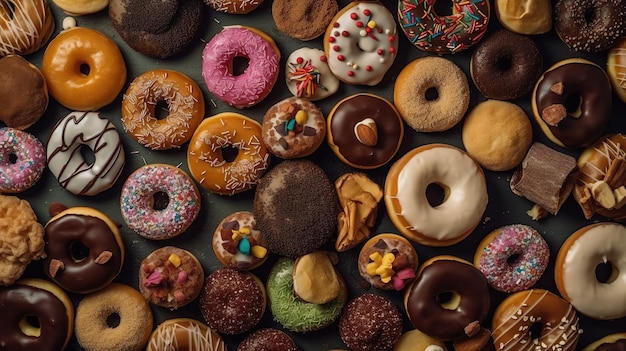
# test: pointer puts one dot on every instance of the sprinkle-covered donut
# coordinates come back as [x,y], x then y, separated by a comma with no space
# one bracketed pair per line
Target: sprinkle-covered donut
[235,7]
[25,26]
[22,160]
[308,75]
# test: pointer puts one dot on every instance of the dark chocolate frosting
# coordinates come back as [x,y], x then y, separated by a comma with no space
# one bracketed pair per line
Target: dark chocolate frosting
[619,345]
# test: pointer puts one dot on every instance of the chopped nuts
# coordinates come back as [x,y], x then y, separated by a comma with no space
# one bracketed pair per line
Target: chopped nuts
[103,257]
[315,279]
[603,194]
[557,88]
[620,196]
[554,114]
[55,267]
[366,132]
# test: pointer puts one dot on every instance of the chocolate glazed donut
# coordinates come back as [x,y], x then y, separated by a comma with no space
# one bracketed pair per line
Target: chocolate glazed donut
[619,345]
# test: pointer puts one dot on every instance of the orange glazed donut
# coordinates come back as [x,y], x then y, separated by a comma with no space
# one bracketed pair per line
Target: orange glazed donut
[25,27]
[84,69]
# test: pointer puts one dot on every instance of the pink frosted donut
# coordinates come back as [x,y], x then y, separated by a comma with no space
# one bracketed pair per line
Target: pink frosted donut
[256,82]
[22,160]
[512,257]
[159,201]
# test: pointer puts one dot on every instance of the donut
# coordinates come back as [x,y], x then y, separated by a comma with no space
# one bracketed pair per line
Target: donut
[450,34]
[513,320]
[184,334]
[257,80]
[449,298]
[512,257]
[572,79]
[25,26]
[497,134]
[75,132]
[232,302]
[590,25]
[22,160]
[300,191]
[369,323]
[268,339]
[361,43]
[234,7]
[293,127]
[23,92]
[615,342]
[170,277]
[293,313]
[415,340]
[185,109]
[159,29]
[226,154]
[525,16]
[238,244]
[431,93]
[364,130]
[159,201]
[114,318]
[616,68]
[84,69]
[388,261]
[506,65]
[304,20]
[308,75]
[81,7]
[464,201]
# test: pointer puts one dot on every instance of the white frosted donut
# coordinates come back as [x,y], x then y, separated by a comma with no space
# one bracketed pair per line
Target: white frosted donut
[308,75]
[74,173]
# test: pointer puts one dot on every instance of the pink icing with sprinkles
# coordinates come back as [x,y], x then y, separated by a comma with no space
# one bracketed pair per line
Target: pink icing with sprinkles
[22,160]
[526,270]
[138,196]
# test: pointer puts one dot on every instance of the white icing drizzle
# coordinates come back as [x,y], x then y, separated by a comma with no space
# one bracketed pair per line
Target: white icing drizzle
[610,150]
[166,338]
[230,6]
[22,34]
[620,69]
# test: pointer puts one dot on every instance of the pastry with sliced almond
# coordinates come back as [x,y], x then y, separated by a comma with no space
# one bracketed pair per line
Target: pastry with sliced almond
[388,261]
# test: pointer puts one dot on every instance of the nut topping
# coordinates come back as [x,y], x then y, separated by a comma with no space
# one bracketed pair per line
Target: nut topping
[603,194]
[554,114]
[366,132]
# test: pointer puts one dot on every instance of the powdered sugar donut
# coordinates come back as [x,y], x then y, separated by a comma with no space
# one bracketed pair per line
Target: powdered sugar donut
[309,76]
[29,163]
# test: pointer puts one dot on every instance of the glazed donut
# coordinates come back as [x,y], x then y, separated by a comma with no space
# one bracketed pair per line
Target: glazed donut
[258,79]
[84,69]
[611,342]
[75,270]
[361,43]
[431,94]
[463,205]
[590,25]
[184,334]
[388,261]
[364,130]
[235,7]
[616,68]
[81,7]
[308,75]
[237,242]
[518,312]
[25,26]
[444,34]
[220,173]
[512,257]
[50,306]
[159,201]
[120,303]
[268,339]
[304,20]
[20,174]
[23,92]
[185,104]
[573,126]
[525,16]
[293,127]
[85,130]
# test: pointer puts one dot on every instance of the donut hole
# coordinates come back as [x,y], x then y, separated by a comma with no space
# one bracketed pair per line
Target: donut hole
[30,325]
[88,155]
[504,63]
[431,94]
[573,105]
[84,69]
[161,109]
[12,158]
[160,200]
[606,272]
[443,7]
[113,320]
[513,260]
[436,194]
[590,14]
[229,153]
[535,331]
[78,251]
[449,300]
[240,64]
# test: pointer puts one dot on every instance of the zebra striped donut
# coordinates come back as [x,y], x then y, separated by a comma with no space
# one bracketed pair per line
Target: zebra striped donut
[25,26]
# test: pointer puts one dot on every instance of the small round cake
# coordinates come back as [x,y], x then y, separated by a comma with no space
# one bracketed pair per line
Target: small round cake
[237,242]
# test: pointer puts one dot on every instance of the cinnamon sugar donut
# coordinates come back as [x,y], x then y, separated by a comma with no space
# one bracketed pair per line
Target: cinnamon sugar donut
[25,26]
[303,19]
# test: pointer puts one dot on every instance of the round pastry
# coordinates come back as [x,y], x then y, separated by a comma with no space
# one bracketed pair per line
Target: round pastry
[184,334]
[232,302]
[388,261]
[81,7]
[431,94]
[616,68]
[525,16]
[365,130]
[361,43]
[517,313]
[268,339]
[449,299]
[304,20]
[308,75]
[497,134]
[370,323]
[159,29]
[114,318]
[293,127]
[184,103]
[567,124]
[256,81]
[81,130]
[415,340]
[22,160]
[293,198]
[512,257]
[84,69]
[590,25]
[170,277]
[238,244]
[226,154]
[23,92]
[234,7]
[615,342]
[25,26]
[159,201]
[506,65]
[428,31]
[464,201]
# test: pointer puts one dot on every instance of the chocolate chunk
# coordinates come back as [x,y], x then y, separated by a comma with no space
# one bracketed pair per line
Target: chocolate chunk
[309,131]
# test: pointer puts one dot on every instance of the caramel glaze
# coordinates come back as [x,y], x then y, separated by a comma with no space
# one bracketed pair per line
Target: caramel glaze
[17,301]
[591,84]
[619,345]
[441,276]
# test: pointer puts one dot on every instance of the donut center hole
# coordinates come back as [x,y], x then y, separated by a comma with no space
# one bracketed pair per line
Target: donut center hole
[161,109]
[113,320]
[443,7]
[535,331]
[503,64]
[606,272]
[513,259]
[590,14]
[573,104]
[240,64]
[30,325]
[12,158]
[160,200]
[230,153]
[436,194]
[84,69]
[88,155]
[449,300]
[78,251]
[431,94]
